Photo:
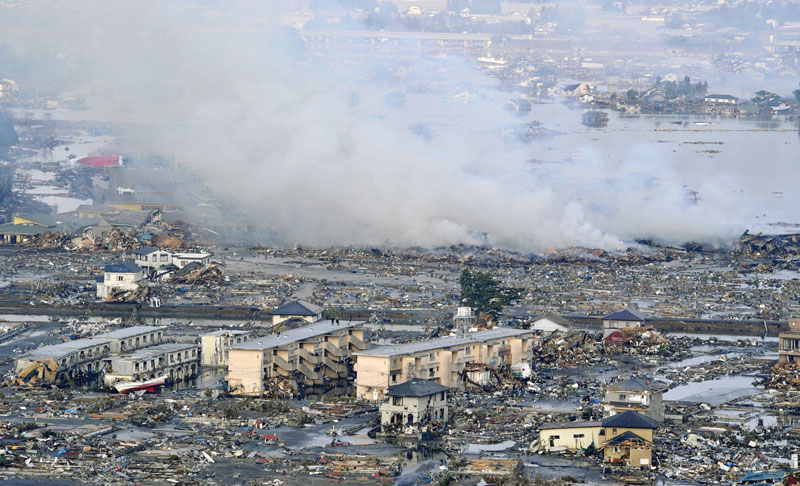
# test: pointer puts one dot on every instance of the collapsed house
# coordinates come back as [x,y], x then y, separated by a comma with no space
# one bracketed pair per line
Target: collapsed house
[215,345]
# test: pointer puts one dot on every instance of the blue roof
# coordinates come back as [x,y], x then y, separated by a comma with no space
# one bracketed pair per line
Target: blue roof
[145,250]
[122,267]
[297,308]
[764,477]
[630,420]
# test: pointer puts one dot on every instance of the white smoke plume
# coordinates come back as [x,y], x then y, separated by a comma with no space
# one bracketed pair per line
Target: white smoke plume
[306,144]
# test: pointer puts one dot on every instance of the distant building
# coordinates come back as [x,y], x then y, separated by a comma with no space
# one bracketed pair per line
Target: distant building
[122,276]
[720,99]
[100,161]
[622,319]
[216,344]
[637,394]
[298,309]
[413,403]
[549,323]
[789,342]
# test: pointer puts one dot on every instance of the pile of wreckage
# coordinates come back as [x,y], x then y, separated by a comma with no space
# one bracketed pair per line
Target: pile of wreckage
[767,244]
[196,274]
[641,341]
[567,350]
[784,376]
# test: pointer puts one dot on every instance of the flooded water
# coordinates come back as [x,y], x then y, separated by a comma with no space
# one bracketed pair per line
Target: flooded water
[714,392]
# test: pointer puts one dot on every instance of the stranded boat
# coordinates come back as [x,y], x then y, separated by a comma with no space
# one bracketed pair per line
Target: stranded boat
[131,386]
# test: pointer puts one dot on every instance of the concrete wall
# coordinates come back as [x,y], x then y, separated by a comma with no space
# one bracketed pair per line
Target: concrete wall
[245,371]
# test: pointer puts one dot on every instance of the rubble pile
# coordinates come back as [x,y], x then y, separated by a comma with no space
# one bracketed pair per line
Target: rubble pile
[196,274]
[784,376]
[642,341]
[773,245]
[572,349]
[48,240]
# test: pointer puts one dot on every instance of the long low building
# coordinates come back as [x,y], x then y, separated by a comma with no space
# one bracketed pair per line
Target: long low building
[176,360]
[441,360]
[131,338]
[310,355]
[74,358]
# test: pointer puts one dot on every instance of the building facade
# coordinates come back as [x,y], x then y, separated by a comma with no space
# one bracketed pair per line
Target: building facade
[637,394]
[789,342]
[413,403]
[123,276]
[441,360]
[622,319]
[216,345]
[177,361]
[309,356]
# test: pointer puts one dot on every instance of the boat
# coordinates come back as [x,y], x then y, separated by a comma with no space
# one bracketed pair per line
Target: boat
[131,386]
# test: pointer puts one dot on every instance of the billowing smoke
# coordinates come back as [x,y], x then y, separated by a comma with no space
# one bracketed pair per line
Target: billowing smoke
[318,147]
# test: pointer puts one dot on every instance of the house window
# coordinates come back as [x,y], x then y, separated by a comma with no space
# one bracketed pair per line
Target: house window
[577,436]
[442,396]
[164,258]
[614,431]
[397,401]
[119,278]
[144,258]
[622,396]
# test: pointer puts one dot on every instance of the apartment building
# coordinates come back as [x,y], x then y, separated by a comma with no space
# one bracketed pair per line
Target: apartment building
[789,342]
[441,360]
[175,360]
[132,338]
[215,345]
[76,358]
[310,355]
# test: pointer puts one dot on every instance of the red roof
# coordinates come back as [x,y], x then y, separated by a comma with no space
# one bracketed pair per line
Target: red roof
[100,161]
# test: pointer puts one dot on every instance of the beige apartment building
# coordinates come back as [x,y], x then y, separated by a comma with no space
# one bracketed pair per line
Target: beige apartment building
[310,355]
[216,345]
[441,360]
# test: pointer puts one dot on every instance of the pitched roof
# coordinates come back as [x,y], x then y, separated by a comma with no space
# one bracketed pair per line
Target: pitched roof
[638,384]
[122,267]
[553,317]
[630,420]
[624,437]
[570,425]
[416,388]
[145,250]
[297,308]
[625,315]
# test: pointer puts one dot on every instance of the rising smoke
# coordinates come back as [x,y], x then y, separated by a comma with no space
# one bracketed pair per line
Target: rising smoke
[307,144]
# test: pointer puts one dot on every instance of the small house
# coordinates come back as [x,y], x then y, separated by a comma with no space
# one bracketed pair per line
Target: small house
[622,319]
[628,439]
[122,276]
[414,403]
[549,323]
[297,309]
[638,394]
[151,259]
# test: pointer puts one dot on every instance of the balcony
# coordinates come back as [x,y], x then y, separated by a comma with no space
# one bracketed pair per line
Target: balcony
[306,356]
